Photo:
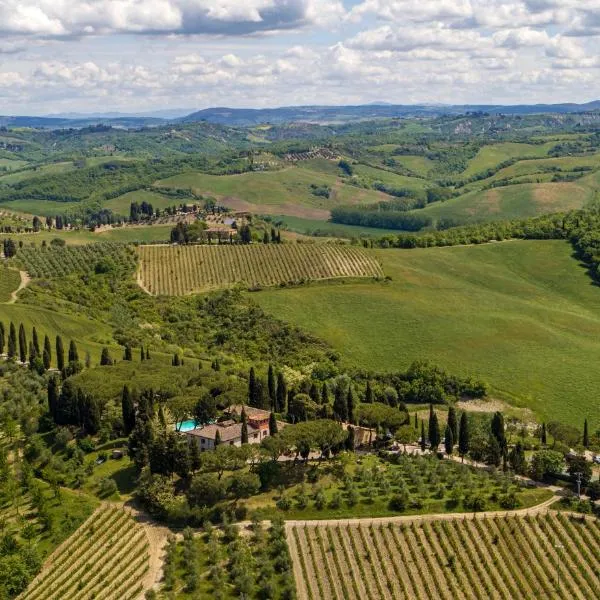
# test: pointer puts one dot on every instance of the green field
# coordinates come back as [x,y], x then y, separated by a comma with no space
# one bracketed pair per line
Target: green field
[371,174]
[286,191]
[329,229]
[121,205]
[9,282]
[491,156]
[522,315]
[43,208]
[511,202]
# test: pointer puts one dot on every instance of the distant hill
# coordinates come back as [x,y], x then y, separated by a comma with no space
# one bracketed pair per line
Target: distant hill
[242,117]
[247,117]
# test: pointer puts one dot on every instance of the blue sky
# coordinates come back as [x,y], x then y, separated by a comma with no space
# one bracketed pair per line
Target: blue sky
[143,55]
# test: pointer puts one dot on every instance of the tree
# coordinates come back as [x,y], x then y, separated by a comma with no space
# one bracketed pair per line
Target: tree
[453,423]
[272,424]
[47,356]
[464,442]
[36,342]
[434,429]
[128,410]
[543,436]
[281,394]
[105,359]
[579,464]
[73,353]
[22,344]
[243,485]
[498,430]
[60,354]
[53,393]
[340,405]
[350,405]
[205,410]
[217,438]
[244,426]
[448,440]
[2,337]
[12,341]
[405,435]
[271,386]
[586,435]
[128,355]
[516,459]
[368,393]
[251,386]
[546,462]
[324,394]
[423,438]
[142,354]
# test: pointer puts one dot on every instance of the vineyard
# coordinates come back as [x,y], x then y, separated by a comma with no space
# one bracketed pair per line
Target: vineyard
[59,261]
[173,271]
[105,559]
[501,557]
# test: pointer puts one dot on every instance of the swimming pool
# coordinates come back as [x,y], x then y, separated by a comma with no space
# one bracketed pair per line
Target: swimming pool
[186,426]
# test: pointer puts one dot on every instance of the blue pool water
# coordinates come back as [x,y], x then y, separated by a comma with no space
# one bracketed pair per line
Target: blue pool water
[186,426]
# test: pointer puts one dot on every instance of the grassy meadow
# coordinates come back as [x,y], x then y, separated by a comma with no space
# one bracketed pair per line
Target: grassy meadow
[524,316]
[9,282]
[495,154]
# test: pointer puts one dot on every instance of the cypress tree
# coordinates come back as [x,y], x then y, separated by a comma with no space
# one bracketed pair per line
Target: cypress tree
[105,358]
[350,405]
[251,386]
[272,424]
[88,360]
[416,421]
[128,353]
[434,432]
[497,426]
[73,353]
[324,394]
[281,394]
[369,394]
[32,356]
[423,439]
[36,342]
[271,386]
[128,410]
[22,344]
[314,393]
[142,354]
[453,422]
[217,438]
[60,354]
[586,435]
[2,336]
[47,356]
[543,437]
[12,341]
[147,353]
[448,440]
[463,436]
[516,458]
[53,397]
[244,426]
[340,406]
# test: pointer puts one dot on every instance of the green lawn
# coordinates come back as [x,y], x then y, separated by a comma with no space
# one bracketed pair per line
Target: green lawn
[9,282]
[512,202]
[522,315]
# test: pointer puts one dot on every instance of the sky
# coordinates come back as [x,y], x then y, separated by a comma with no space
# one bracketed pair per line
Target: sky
[60,56]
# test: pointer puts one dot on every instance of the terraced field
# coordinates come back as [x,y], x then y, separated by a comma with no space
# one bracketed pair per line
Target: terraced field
[176,271]
[106,559]
[493,557]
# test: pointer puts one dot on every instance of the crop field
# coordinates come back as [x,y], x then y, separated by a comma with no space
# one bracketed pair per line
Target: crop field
[9,282]
[495,154]
[121,204]
[176,271]
[521,308]
[105,559]
[506,557]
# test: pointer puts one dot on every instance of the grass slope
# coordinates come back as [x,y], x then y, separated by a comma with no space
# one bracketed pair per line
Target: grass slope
[286,191]
[495,154]
[522,315]
[511,202]
[9,282]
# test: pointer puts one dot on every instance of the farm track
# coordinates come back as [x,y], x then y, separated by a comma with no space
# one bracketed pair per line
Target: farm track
[181,270]
[511,555]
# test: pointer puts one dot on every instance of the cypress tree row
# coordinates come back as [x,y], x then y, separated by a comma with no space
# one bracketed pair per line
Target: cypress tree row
[47,355]
[60,354]
[12,341]
[22,344]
